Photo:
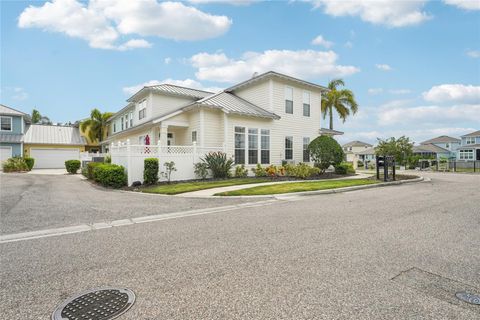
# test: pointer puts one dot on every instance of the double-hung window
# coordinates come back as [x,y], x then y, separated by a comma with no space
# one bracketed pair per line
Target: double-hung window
[252,146]
[306,104]
[265,146]
[121,121]
[289,100]
[306,154]
[5,123]
[126,121]
[142,106]
[240,145]
[131,119]
[470,140]
[194,136]
[288,148]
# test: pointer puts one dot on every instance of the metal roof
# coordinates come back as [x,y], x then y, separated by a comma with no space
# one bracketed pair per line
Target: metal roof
[441,139]
[469,146]
[357,143]
[174,90]
[7,110]
[429,148]
[367,151]
[330,132]
[48,134]
[10,138]
[233,104]
[473,134]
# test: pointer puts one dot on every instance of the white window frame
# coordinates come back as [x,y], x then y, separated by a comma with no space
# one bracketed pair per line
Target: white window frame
[467,154]
[122,124]
[306,101]
[253,132]
[11,123]
[245,137]
[194,136]
[288,94]
[285,147]
[114,127]
[469,140]
[126,120]
[266,147]
[131,119]
[306,142]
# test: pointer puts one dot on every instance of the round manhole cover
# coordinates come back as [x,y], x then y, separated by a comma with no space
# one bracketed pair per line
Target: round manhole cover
[468,297]
[96,304]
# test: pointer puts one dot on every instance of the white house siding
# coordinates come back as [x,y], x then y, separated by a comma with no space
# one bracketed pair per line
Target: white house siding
[259,94]
[162,104]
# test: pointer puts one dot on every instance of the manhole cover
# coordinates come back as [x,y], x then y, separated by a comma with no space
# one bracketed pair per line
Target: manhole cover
[468,297]
[96,304]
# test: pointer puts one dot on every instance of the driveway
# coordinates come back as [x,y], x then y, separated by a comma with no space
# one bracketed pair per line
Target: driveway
[400,252]
[32,202]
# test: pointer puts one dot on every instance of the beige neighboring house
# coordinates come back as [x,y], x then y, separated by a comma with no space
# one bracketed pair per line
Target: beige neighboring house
[267,119]
[353,148]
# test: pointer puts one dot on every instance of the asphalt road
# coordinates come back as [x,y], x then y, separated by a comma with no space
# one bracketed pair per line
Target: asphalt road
[388,253]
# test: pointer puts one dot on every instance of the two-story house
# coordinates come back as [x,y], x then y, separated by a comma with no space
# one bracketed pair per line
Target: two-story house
[267,119]
[353,148]
[470,147]
[439,147]
[12,129]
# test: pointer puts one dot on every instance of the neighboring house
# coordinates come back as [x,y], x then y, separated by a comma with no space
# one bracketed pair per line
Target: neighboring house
[52,145]
[353,148]
[12,128]
[367,155]
[267,119]
[430,151]
[447,144]
[470,147]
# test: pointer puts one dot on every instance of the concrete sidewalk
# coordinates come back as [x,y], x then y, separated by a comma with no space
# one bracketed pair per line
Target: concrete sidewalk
[211,192]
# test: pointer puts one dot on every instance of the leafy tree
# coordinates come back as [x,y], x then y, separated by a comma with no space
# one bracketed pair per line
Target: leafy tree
[36,116]
[340,100]
[400,148]
[96,126]
[325,151]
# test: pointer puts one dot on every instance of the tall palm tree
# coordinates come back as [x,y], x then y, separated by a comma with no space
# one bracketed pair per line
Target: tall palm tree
[96,126]
[342,100]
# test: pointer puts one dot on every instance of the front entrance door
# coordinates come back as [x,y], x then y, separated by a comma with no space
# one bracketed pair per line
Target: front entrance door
[170,139]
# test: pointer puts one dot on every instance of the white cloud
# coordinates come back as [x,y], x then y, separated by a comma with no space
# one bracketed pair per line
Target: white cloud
[189,83]
[383,67]
[453,93]
[383,12]
[103,22]
[400,91]
[375,91]
[232,2]
[320,41]
[167,60]
[348,44]
[473,53]
[18,93]
[304,64]
[464,4]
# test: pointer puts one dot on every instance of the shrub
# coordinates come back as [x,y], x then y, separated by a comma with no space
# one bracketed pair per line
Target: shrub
[219,164]
[90,167]
[241,172]
[15,164]
[84,171]
[274,171]
[30,162]
[259,171]
[290,170]
[302,171]
[344,168]
[72,166]
[150,171]
[201,170]
[325,151]
[110,175]
[107,159]
[169,168]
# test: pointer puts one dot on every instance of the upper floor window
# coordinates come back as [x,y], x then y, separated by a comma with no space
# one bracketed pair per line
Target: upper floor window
[121,121]
[131,118]
[289,100]
[288,148]
[6,123]
[142,113]
[306,104]
[470,140]
[114,127]
[126,121]
[194,136]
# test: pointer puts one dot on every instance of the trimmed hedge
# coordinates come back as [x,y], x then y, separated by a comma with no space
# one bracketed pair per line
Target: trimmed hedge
[90,167]
[344,168]
[72,166]
[30,162]
[15,164]
[110,175]
[150,171]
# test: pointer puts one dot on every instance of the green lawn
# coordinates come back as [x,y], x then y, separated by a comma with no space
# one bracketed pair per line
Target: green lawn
[298,187]
[182,187]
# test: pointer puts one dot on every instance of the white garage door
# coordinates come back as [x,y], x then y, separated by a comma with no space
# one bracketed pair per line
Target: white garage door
[5,153]
[53,158]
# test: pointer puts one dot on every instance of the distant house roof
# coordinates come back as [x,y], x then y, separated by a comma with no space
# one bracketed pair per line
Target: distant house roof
[329,132]
[270,74]
[472,134]
[10,138]
[367,151]
[357,143]
[233,104]
[174,90]
[429,148]
[4,110]
[48,134]
[441,139]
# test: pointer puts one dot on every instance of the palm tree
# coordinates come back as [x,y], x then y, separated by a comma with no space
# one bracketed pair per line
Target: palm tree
[96,126]
[343,101]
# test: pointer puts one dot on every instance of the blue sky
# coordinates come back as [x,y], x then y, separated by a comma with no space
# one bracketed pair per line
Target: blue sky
[414,66]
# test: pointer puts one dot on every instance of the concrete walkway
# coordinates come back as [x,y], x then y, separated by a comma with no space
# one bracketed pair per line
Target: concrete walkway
[211,192]
[49,171]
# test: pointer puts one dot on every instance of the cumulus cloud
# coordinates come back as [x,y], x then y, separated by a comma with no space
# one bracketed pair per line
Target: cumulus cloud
[382,12]
[103,22]
[473,53]
[400,91]
[15,93]
[453,93]
[383,67]
[375,91]
[189,83]
[304,64]
[232,2]
[464,4]
[320,41]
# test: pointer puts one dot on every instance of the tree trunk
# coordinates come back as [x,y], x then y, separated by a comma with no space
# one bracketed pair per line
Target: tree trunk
[331,118]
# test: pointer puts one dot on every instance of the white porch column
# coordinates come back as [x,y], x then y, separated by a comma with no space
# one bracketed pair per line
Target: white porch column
[163,134]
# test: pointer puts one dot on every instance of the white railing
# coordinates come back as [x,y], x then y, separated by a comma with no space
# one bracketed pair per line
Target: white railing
[132,157]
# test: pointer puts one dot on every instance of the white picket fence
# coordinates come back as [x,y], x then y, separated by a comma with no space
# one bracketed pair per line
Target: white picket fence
[132,157]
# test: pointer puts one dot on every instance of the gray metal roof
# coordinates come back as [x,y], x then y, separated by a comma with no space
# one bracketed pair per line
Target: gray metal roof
[233,104]
[330,132]
[441,139]
[357,143]
[429,148]
[473,134]
[9,111]
[47,134]
[10,138]
[367,151]
[174,90]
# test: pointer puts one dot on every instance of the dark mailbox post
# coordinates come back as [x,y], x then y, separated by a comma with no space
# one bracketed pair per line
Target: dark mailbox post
[385,162]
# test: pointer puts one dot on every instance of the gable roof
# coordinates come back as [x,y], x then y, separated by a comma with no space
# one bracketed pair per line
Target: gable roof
[230,103]
[270,74]
[429,148]
[10,111]
[357,143]
[367,151]
[472,134]
[172,90]
[48,134]
[441,139]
